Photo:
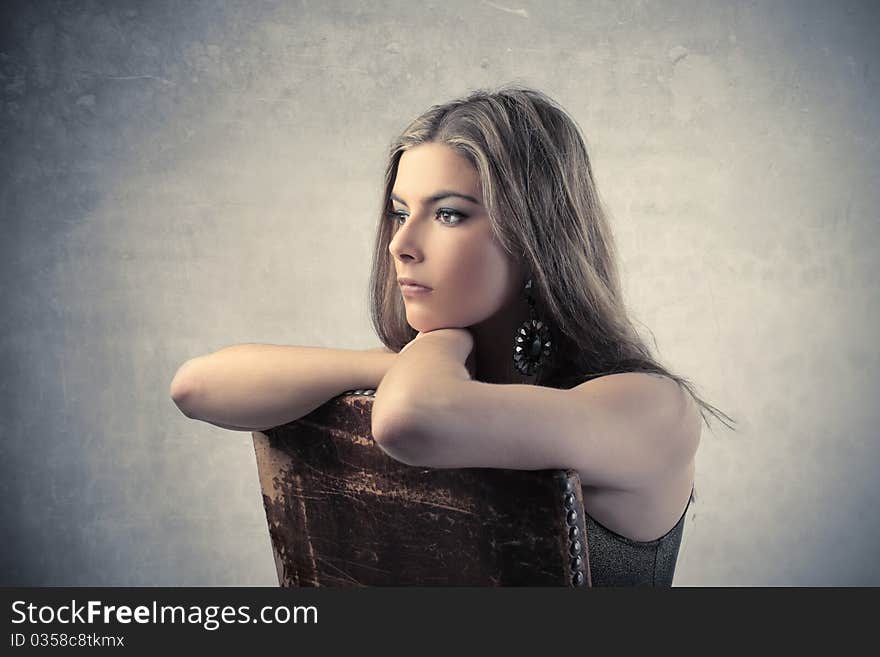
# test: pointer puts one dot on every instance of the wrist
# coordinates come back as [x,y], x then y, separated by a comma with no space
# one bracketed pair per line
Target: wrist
[375,365]
[457,341]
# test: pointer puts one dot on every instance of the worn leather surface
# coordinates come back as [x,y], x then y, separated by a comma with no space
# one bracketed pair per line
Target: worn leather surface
[341,512]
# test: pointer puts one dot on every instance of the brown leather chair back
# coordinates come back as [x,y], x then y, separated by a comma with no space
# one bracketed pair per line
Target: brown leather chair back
[341,512]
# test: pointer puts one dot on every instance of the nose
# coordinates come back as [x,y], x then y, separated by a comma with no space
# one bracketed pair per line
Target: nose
[405,240]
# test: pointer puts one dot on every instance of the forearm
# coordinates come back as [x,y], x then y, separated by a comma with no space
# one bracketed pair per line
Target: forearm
[425,370]
[259,386]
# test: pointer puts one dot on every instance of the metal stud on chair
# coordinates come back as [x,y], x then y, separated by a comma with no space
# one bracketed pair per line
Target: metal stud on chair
[577,550]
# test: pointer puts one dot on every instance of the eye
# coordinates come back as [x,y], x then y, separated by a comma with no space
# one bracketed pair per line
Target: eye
[449,212]
[397,215]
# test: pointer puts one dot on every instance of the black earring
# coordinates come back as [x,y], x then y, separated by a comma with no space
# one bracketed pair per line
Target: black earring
[531,346]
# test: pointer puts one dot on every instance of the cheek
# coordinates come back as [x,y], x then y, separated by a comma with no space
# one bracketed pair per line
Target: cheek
[479,279]
[473,281]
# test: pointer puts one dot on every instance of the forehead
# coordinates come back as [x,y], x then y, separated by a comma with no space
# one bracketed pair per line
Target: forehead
[428,167]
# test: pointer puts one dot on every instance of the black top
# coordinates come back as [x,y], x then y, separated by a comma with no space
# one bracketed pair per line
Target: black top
[616,560]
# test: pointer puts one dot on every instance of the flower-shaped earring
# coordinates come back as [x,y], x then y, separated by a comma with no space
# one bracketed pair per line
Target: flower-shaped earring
[531,346]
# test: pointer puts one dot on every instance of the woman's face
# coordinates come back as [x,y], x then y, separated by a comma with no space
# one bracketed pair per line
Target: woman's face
[447,244]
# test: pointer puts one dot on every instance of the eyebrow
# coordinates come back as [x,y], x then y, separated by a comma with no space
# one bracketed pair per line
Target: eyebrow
[443,193]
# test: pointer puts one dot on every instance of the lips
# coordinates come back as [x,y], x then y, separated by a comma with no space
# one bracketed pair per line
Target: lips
[410,281]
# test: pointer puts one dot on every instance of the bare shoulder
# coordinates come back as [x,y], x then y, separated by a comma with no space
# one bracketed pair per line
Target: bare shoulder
[642,515]
[382,350]
[647,512]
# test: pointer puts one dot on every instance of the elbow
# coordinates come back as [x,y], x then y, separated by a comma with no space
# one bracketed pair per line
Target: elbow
[401,446]
[183,389]
[396,434]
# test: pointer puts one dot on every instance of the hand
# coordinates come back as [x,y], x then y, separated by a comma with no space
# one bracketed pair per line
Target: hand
[471,362]
[459,334]
[420,334]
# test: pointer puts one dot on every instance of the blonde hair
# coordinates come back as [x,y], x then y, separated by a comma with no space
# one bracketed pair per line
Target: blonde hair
[544,209]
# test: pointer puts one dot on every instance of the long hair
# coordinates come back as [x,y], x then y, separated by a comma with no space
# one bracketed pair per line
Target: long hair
[545,211]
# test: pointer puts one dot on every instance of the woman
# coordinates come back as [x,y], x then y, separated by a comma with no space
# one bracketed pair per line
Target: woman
[517,352]
[514,350]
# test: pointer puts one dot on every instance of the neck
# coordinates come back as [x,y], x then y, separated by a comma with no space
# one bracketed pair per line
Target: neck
[493,341]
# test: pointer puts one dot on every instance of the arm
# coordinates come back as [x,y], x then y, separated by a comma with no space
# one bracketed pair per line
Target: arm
[424,368]
[253,387]
[624,431]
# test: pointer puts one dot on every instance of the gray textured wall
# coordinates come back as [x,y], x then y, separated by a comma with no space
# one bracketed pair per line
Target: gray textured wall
[180,176]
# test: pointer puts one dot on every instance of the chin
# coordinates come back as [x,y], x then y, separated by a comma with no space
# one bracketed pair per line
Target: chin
[425,325]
